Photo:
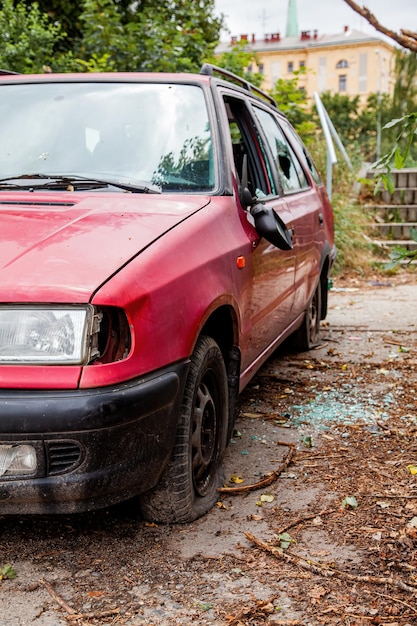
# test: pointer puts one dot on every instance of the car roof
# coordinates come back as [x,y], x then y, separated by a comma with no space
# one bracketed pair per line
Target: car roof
[207,74]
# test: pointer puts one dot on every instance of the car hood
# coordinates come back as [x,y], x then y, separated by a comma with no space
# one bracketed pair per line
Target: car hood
[62,247]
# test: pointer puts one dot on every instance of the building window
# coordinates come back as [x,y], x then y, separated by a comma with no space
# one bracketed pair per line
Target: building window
[275,71]
[261,68]
[342,64]
[302,65]
[290,67]
[343,82]
[250,68]
[322,76]
[363,73]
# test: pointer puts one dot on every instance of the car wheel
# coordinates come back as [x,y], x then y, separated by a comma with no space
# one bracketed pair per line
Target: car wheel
[188,486]
[308,335]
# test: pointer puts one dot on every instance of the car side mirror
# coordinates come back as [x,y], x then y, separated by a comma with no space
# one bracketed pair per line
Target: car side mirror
[268,223]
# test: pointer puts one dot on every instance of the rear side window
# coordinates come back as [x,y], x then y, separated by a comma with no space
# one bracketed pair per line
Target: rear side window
[290,171]
[307,158]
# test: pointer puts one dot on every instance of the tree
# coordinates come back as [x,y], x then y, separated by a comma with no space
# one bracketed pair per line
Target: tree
[406,38]
[66,14]
[239,60]
[292,101]
[150,35]
[173,35]
[27,38]
[113,35]
[405,90]
[356,123]
[405,126]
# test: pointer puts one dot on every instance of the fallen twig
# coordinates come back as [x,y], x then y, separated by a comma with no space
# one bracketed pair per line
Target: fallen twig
[396,343]
[322,570]
[395,600]
[57,597]
[387,495]
[267,480]
[72,613]
[267,417]
[301,520]
[325,457]
[95,615]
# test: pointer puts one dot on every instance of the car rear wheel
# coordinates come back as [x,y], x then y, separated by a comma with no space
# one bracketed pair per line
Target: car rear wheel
[188,486]
[308,335]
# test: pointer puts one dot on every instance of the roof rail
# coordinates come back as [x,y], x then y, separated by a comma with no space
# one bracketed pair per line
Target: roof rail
[3,72]
[209,70]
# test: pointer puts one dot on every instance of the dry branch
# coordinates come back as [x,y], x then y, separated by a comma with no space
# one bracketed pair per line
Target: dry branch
[72,613]
[322,570]
[301,520]
[95,615]
[407,39]
[409,33]
[57,597]
[267,480]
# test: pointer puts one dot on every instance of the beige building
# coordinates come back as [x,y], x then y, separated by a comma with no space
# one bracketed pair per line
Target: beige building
[351,62]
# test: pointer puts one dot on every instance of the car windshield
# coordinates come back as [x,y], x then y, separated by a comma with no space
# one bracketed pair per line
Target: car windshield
[158,133]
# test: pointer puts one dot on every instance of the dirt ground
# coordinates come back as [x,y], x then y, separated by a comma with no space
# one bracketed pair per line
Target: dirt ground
[323,530]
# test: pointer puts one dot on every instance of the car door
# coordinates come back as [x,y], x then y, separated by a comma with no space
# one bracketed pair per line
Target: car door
[303,203]
[268,309]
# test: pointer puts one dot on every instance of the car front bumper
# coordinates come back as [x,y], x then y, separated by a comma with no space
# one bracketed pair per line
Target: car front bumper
[94,447]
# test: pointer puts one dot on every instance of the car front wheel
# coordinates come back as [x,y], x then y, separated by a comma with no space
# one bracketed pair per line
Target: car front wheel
[188,486]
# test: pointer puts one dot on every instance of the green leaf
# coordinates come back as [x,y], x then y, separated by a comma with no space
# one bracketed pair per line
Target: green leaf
[403,349]
[7,572]
[285,540]
[350,502]
[399,160]
[393,123]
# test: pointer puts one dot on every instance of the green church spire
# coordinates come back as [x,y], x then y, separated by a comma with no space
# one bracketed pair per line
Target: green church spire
[292,19]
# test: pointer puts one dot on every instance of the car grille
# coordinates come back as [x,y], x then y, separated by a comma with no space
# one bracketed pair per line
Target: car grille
[62,456]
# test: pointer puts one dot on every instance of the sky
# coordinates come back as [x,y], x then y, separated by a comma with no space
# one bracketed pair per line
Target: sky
[327,16]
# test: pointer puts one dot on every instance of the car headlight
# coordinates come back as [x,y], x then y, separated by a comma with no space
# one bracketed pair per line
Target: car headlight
[32,335]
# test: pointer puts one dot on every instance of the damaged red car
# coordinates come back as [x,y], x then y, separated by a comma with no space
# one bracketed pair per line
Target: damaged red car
[161,235]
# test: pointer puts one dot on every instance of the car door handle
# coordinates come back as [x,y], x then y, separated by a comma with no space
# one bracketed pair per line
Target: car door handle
[321,219]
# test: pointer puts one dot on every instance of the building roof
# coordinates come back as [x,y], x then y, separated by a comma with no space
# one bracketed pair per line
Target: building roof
[307,39]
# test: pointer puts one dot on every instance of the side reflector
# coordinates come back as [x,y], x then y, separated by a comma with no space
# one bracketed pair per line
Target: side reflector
[241,262]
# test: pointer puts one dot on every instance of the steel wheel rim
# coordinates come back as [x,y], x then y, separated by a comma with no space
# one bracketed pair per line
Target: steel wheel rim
[313,313]
[204,439]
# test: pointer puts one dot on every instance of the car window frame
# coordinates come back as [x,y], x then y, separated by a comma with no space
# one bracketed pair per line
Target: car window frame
[293,152]
[258,153]
[310,167]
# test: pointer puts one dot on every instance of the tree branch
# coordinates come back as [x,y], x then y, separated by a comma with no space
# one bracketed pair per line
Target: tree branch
[407,39]
[409,34]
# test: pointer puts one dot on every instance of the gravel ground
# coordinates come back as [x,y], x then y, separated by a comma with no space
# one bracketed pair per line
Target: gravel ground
[332,539]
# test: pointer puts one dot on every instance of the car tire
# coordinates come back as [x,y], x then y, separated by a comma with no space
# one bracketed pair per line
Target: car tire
[188,486]
[308,335]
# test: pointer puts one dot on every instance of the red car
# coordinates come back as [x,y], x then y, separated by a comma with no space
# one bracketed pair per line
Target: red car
[161,235]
